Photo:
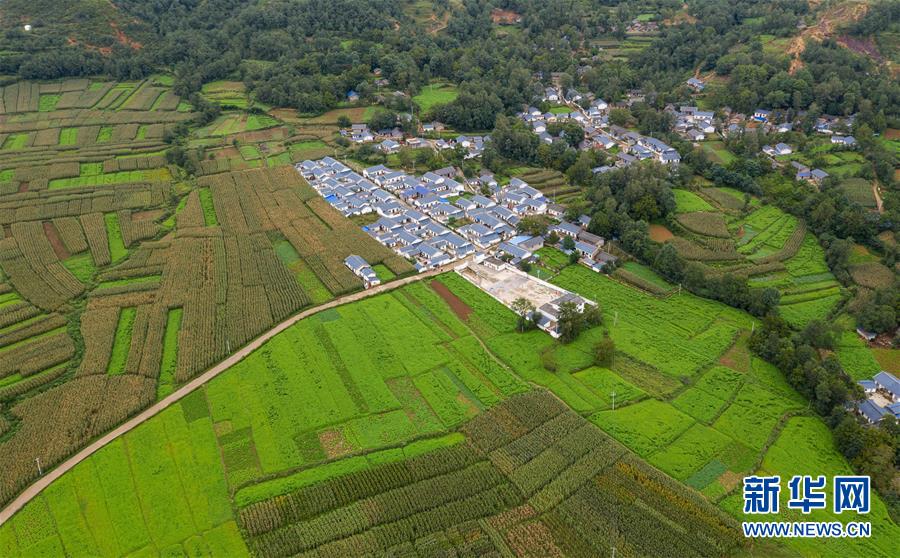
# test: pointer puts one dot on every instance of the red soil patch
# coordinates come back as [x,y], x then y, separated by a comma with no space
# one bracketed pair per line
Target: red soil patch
[334,444]
[226,153]
[23,187]
[659,233]
[862,46]
[55,241]
[892,133]
[123,38]
[148,215]
[460,308]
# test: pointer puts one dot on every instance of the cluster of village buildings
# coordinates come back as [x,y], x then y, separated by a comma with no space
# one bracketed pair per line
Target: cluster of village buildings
[882,398]
[434,219]
[392,140]
[598,133]
[690,122]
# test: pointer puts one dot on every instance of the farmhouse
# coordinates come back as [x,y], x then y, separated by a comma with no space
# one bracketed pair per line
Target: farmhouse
[778,149]
[565,228]
[846,141]
[363,270]
[514,254]
[696,84]
[389,146]
[888,383]
[762,115]
[882,397]
[600,260]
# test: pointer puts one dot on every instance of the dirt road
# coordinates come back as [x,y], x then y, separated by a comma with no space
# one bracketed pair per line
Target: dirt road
[43,482]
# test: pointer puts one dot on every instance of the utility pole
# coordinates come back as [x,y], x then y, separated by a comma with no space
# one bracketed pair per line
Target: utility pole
[613,400]
[616,319]
[40,470]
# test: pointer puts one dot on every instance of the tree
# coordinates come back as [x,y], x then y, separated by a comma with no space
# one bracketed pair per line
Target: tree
[593,316]
[383,119]
[604,351]
[524,309]
[619,117]
[533,225]
[568,243]
[570,321]
[343,121]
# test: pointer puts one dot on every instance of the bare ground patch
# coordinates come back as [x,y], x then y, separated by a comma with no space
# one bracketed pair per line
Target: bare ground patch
[460,308]
[334,444]
[55,241]
[659,233]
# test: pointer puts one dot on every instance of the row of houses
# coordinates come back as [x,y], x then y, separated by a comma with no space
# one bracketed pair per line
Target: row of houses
[691,123]
[587,245]
[393,140]
[406,229]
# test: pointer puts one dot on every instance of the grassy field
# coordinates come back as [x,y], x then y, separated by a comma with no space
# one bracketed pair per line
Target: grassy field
[689,202]
[169,353]
[435,94]
[122,341]
[117,250]
[718,152]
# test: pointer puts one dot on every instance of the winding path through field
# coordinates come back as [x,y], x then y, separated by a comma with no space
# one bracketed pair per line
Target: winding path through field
[43,482]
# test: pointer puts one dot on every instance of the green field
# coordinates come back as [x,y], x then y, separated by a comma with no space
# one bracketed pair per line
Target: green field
[117,249]
[81,266]
[209,212]
[122,341]
[435,94]
[718,152]
[305,277]
[169,353]
[689,202]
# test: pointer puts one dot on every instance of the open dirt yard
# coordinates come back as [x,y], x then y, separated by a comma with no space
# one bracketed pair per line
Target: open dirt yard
[507,285]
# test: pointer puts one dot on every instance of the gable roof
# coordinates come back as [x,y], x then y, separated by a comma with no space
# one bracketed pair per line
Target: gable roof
[889,381]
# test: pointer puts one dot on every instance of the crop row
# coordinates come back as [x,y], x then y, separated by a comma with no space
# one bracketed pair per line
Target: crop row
[56,423]
[706,223]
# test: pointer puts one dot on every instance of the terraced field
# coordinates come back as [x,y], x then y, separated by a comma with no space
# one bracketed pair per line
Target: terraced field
[551,183]
[729,233]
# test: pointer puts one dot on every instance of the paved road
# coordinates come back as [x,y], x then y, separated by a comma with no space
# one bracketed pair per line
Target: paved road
[43,482]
